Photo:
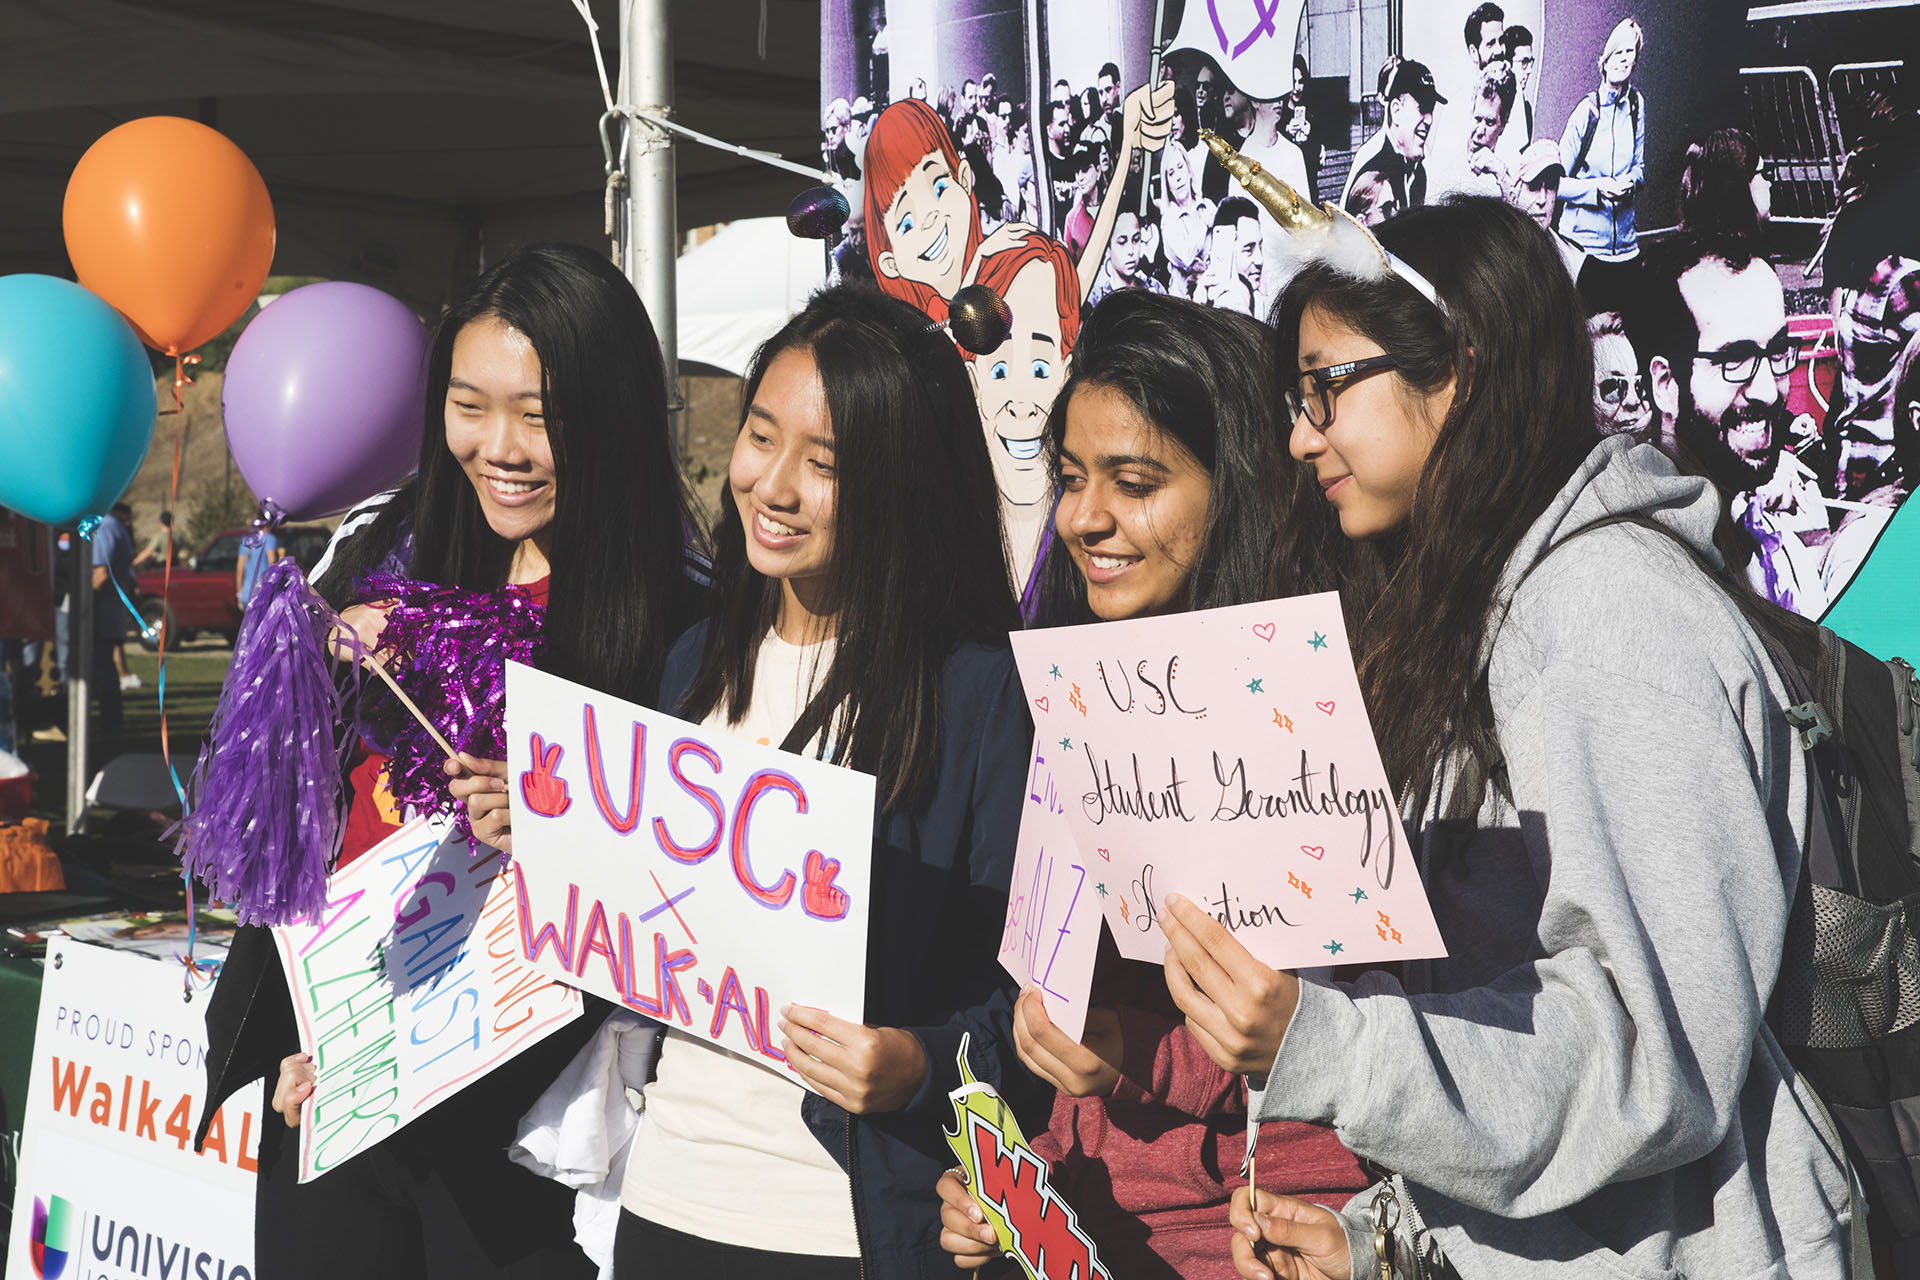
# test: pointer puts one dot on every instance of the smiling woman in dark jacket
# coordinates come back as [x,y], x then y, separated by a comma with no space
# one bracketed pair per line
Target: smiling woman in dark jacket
[863,619]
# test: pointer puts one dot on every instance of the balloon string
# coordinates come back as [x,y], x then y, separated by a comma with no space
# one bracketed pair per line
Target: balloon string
[180,379]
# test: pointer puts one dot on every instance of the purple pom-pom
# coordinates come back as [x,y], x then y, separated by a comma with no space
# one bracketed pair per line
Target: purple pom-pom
[265,823]
[448,648]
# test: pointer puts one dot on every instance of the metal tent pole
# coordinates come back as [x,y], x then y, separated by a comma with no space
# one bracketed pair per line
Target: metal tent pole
[79,676]
[652,239]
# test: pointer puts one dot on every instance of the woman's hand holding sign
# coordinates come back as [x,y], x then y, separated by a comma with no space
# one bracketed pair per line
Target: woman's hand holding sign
[1084,1068]
[866,1070]
[1236,1007]
[481,785]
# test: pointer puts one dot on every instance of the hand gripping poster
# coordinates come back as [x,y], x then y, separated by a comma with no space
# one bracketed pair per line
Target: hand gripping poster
[1729,186]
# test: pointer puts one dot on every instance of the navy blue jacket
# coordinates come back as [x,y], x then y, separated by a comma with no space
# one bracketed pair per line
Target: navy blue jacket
[937,912]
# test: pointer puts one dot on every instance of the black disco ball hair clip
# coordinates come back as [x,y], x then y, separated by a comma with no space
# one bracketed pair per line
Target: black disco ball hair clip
[817,213]
[979,319]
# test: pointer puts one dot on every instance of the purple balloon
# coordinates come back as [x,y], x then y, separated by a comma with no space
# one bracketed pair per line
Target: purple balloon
[325,398]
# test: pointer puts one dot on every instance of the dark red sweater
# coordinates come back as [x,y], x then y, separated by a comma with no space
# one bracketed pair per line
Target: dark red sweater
[1150,1168]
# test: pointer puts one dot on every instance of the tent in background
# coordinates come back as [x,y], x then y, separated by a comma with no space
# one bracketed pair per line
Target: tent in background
[738,288]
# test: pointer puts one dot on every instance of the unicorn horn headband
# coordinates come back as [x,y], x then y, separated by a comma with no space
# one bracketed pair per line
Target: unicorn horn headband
[1326,234]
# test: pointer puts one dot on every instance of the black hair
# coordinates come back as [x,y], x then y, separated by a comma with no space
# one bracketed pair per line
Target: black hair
[1082,159]
[1300,64]
[1198,375]
[1481,15]
[1515,38]
[1233,209]
[1521,420]
[919,564]
[621,525]
[1109,70]
[1716,185]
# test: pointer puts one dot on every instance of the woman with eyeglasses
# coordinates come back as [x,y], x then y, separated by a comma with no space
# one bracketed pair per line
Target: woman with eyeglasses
[1607,803]
[1619,388]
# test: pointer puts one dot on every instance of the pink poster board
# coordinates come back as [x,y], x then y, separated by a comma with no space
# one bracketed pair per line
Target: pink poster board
[1053,905]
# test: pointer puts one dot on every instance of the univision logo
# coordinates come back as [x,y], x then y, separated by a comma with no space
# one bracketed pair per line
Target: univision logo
[56,1224]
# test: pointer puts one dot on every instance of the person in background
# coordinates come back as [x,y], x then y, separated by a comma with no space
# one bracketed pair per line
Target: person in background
[1130,254]
[1399,154]
[1370,202]
[258,552]
[1489,170]
[1186,221]
[113,586]
[834,149]
[1711,329]
[156,548]
[1619,388]
[1077,229]
[1535,192]
[127,680]
[1725,187]
[1486,25]
[1298,127]
[1164,444]
[1235,261]
[1518,42]
[1107,83]
[1604,146]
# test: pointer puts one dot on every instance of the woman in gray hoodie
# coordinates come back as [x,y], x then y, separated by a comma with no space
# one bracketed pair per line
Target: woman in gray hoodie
[1609,805]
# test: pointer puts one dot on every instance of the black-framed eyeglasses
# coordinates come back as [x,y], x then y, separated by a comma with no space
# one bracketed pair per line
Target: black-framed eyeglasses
[1740,361]
[1311,397]
[1613,390]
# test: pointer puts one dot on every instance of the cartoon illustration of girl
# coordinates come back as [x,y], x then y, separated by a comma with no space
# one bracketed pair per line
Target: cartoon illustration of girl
[1016,384]
[924,237]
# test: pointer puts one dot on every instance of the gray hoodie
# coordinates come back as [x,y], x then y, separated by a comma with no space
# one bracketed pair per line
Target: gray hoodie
[1584,1086]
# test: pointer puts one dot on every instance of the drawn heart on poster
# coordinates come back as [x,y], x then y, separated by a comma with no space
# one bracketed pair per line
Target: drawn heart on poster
[1314,851]
[1040,703]
[1325,708]
[1264,630]
[1104,854]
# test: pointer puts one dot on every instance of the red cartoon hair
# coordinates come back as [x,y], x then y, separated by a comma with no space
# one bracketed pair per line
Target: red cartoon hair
[997,272]
[903,135]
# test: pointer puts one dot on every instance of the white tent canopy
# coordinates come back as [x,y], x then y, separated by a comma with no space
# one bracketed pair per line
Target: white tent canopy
[738,288]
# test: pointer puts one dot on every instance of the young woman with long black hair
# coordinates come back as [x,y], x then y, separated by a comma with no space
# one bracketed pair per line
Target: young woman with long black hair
[546,464]
[1164,451]
[1609,805]
[862,617]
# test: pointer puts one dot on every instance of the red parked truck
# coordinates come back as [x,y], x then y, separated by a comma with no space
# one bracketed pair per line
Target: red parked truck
[202,596]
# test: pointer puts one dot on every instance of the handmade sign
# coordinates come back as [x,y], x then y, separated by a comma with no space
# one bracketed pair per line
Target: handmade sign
[1032,1223]
[409,986]
[109,1184]
[698,878]
[1053,910]
[1225,755]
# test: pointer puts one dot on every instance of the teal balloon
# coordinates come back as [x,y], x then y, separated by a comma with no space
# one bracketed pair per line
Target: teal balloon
[1880,608]
[77,404]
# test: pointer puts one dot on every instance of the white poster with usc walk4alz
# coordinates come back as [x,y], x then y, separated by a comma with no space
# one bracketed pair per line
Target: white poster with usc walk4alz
[110,1187]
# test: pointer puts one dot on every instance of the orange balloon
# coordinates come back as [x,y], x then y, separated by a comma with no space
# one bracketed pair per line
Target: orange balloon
[170,222]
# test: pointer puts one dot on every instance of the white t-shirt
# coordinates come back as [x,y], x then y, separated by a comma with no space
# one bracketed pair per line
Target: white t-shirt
[722,1152]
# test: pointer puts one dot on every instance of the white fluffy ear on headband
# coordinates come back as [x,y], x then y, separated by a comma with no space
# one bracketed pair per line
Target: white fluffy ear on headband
[1326,234]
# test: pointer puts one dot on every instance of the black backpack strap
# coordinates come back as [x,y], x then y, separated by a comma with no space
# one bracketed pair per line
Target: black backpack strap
[1586,145]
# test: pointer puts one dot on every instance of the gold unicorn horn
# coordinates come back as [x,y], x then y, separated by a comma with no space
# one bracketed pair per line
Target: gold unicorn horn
[1293,212]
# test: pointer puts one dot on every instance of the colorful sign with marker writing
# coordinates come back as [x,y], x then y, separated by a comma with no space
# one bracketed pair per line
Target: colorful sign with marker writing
[1225,755]
[409,987]
[109,1185]
[699,878]
[1031,1222]
[1053,908]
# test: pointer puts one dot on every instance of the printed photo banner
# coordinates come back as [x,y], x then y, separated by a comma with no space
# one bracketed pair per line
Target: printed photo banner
[1053,908]
[699,878]
[410,987]
[1032,1223]
[109,1184]
[1225,755]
